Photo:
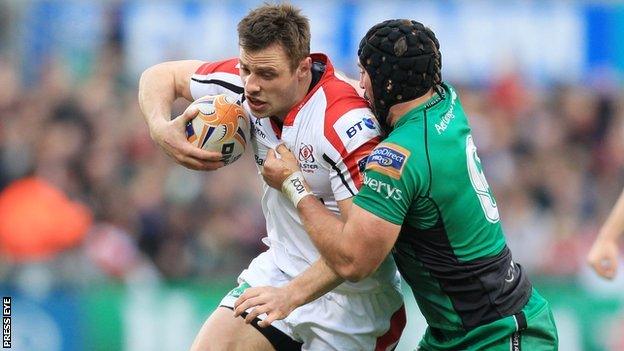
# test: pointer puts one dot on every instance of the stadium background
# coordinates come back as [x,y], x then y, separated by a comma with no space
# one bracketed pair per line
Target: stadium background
[155,246]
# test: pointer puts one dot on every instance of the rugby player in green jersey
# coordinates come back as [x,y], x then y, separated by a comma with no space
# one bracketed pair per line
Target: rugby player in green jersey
[425,199]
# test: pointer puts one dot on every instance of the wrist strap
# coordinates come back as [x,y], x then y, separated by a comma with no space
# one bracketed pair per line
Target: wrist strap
[295,188]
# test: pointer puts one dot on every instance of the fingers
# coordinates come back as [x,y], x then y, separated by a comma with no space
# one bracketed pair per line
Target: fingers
[188,114]
[247,300]
[284,152]
[281,148]
[173,141]
[201,165]
[603,258]
[253,314]
[271,317]
[197,159]
[280,152]
[250,303]
[258,301]
[270,155]
[606,268]
[268,163]
[201,154]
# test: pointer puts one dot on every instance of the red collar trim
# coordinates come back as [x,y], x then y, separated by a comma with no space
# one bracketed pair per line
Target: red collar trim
[329,72]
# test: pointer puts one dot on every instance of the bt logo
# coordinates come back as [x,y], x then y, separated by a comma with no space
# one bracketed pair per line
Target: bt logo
[366,121]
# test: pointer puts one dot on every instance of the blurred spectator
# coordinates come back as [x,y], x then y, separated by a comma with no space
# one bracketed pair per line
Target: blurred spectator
[37,221]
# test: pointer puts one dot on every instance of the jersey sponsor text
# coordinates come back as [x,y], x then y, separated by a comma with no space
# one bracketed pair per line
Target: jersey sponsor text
[386,190]
[448,116]
[388,159]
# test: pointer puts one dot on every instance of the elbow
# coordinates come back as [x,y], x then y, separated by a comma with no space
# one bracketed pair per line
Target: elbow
[145,79]
[152,72]
[149,71]
[356,267]
[156,71]
[355,272]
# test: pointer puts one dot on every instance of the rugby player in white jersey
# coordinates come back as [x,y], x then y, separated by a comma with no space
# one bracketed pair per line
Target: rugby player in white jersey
[295,98]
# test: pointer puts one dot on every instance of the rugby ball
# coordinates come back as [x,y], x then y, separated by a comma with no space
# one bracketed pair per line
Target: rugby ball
[221,125]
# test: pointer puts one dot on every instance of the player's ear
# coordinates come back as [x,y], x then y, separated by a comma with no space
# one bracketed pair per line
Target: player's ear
[304,67]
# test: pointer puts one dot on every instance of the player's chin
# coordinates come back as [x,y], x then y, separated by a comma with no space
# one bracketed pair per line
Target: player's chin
[261,112]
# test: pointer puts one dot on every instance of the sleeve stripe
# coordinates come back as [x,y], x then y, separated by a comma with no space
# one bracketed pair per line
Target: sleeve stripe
[205,68]
[351,161]
[226,66]
[232,87]
[342,178]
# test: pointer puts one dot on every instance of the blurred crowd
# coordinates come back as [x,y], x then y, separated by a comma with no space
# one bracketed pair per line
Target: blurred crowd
[553,157]
[87,139]
[552,154]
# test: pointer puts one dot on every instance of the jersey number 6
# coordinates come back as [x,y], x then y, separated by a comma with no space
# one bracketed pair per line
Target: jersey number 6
[480,185]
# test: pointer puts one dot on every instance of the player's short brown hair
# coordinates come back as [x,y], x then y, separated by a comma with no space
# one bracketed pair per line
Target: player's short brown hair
[276,24]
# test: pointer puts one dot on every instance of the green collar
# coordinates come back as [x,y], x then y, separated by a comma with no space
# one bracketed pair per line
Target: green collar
[434,100]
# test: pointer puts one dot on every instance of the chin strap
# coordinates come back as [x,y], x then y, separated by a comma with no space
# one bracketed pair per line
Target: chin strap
[295,188]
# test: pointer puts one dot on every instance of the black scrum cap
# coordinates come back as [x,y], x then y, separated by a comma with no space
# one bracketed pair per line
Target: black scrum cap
[402,58]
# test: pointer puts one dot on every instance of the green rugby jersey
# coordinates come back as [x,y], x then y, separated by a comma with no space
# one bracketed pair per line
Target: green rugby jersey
[427,178]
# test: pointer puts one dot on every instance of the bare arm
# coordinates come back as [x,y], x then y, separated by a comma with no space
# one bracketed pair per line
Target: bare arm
[353,248]
[314,282]
[159,87]
[279,302]
[614,226]
[604,254]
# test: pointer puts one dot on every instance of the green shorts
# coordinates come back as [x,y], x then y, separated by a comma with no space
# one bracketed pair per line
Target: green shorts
[538,333]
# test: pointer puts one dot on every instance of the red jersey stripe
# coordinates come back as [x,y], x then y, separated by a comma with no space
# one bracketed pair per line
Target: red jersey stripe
[327,76]
[336,108]
[352,161]
[226,66]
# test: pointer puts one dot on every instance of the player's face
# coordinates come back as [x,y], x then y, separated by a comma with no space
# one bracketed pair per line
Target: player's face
[271,87]
[365,83]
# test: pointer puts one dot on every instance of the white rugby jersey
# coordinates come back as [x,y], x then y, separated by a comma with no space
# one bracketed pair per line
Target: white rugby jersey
[331,132]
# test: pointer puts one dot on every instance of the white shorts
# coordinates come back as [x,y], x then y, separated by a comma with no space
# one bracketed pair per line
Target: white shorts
[336,320]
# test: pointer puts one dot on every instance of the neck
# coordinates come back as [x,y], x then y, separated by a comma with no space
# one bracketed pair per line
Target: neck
[398,110]
[302,90]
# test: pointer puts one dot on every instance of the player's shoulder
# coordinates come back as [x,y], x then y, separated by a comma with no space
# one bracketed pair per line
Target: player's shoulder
[348,121]
[219,77]
[341,96]
[224,66]
[347,116]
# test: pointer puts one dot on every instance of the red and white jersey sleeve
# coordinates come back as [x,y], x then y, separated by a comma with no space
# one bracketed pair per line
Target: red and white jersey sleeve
[350,132]
[213,78]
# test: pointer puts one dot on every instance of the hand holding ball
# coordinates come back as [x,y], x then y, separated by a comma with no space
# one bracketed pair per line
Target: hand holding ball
[221,125]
